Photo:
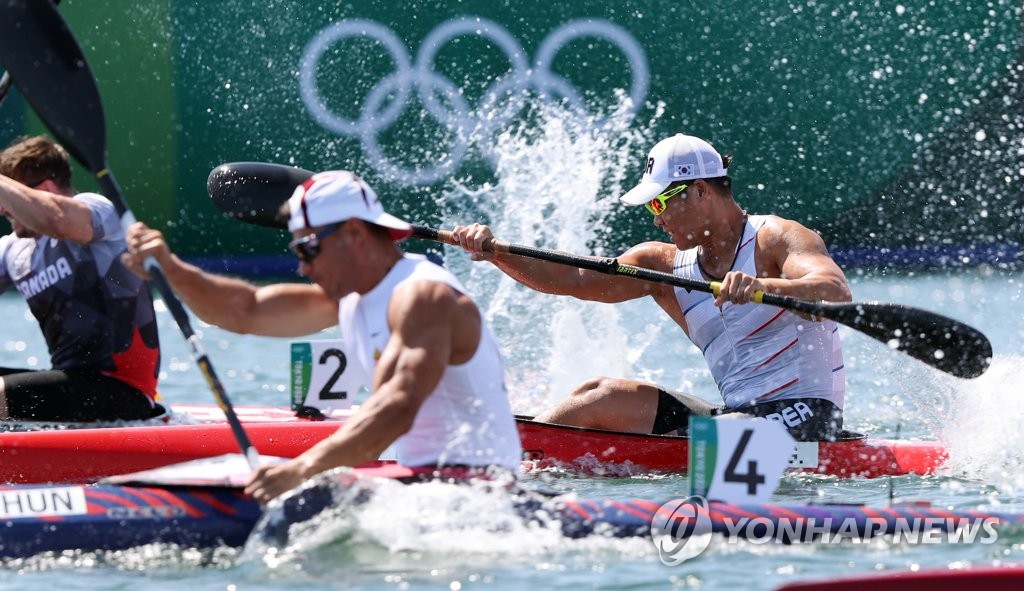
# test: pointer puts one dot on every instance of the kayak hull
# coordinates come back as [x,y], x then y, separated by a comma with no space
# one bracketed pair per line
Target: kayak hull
[547,444]
[54,518]
[85,455]
[41,519]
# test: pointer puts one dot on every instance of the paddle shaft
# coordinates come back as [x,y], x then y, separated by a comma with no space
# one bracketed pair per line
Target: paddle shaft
[253,191]
[606,265]
[110,188]
[611,266]
[46,63]
[941,342]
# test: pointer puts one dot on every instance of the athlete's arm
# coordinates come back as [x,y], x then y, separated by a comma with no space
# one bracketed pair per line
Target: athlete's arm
[46,212]
[794,262]
[424,320]
[278,310]
[555,278]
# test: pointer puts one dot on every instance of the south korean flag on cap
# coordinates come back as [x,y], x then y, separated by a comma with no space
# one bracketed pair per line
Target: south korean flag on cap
[683,170]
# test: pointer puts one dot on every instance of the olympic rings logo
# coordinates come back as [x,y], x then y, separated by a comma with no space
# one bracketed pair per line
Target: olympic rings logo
[501,101]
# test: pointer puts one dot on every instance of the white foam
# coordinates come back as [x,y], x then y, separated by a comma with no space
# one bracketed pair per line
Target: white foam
[558,178]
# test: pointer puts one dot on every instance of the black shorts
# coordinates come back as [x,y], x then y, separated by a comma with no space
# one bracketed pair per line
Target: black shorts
[806,419]
[73,396]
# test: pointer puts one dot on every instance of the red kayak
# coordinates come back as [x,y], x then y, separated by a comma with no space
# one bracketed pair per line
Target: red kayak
[1010,578]
[84,455]
[853,455]
[88,454]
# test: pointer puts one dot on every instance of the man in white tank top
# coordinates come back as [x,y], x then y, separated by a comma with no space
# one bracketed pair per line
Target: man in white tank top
[437,376]
[766,361]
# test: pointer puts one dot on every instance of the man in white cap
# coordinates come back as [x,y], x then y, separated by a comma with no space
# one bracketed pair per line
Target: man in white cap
[438,390]
[766,361]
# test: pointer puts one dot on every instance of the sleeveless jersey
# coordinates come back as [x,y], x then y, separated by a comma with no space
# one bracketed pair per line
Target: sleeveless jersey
[467,419]
[760,353]
[94,312]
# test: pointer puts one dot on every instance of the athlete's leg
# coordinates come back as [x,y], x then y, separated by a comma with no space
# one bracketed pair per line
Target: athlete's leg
[675,410]
[57,395]
[607,403]
[4,407]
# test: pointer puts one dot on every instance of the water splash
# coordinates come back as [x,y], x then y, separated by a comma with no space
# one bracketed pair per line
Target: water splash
[429,527]
[558,178]
[982,424]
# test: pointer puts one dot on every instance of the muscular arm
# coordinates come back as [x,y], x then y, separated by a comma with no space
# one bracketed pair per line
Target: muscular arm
[806,269]
[278,310]
[558,279]
[794,262]
[46,213]
[424,320]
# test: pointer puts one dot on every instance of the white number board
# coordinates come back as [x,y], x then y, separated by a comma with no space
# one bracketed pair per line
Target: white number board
[322,377]
[737,460]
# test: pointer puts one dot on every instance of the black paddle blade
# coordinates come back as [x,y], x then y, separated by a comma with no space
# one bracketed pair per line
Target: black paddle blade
[45,62]
[943,343]
[253,192]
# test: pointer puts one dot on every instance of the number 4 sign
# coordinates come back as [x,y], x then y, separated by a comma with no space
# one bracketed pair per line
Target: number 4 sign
[737,460]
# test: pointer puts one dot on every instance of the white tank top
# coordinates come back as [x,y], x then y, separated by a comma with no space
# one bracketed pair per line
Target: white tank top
[760,353]
[467,419]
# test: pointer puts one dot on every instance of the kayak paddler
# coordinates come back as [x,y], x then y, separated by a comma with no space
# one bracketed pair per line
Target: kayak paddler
[438,394]
[766,361]
[96,316]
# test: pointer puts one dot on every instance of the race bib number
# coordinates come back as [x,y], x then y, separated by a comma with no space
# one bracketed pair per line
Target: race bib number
[737,460]
[321,376]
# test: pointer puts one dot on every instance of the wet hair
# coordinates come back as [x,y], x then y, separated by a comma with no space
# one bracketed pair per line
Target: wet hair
[32,160]
[723,183]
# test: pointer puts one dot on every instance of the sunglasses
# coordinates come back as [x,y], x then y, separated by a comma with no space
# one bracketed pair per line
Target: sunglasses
[657,205]
[308,247]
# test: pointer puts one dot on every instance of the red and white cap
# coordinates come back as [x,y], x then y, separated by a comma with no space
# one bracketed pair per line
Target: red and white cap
[338,195]
[678,158]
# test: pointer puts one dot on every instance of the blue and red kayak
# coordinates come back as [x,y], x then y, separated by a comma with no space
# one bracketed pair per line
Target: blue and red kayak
[199,512]
[88,454]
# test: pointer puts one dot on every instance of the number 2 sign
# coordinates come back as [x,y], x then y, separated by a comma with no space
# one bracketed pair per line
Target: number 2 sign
[322,377]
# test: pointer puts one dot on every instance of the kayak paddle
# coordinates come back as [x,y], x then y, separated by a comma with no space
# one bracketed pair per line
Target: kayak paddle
[5,79]
[5,86]
[45,62]
[253,191]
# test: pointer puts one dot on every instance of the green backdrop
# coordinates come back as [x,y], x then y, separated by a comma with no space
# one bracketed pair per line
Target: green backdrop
[883,125]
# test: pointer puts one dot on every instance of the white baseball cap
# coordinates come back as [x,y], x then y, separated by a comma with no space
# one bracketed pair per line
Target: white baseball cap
[339,195]
[678,158]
